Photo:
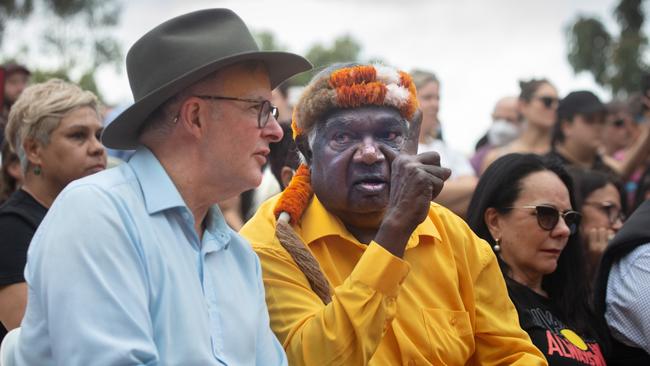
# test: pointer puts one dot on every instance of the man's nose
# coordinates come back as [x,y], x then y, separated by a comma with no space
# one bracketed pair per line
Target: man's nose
[368,152]
[273,130]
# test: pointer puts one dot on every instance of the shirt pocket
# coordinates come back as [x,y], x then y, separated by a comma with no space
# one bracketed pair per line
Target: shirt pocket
[450,335]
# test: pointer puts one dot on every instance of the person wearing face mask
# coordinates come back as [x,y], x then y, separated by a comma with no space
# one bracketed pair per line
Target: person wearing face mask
[537,105]
[506,126]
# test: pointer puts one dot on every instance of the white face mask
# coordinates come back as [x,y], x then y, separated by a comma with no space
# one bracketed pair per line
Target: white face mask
[502,132]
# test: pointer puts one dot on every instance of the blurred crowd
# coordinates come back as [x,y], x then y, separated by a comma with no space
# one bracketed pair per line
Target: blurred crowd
[550,187]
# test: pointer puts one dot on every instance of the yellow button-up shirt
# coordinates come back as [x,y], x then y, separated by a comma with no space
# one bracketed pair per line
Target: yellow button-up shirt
[444,303]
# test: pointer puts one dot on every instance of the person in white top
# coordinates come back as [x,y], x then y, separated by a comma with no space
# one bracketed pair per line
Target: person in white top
[458,190]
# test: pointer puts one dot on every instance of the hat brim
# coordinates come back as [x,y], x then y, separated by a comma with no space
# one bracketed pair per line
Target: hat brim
[123,132]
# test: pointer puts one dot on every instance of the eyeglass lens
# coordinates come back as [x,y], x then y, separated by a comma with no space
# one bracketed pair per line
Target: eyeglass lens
[548,217]
[548,101]
[266,110]
[612,212]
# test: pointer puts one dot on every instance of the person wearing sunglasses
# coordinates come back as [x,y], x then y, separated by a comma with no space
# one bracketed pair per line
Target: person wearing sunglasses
[617,134]
[538,102]
[578,137]
[523,207]
[599,198]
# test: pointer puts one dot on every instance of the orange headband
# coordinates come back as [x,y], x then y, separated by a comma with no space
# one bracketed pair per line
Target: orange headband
[353,87]
[349,87]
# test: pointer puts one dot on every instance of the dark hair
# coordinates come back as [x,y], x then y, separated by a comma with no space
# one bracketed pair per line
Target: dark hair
[499,187]
[8,184]
[283,153]
[529,87]
[586,181]
[283,88]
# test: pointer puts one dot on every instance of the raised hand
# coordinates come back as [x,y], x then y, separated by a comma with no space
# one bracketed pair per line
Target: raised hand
[415,180]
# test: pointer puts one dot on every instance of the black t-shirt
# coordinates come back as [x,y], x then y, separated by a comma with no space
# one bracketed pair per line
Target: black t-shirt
[20,215]
[560,345]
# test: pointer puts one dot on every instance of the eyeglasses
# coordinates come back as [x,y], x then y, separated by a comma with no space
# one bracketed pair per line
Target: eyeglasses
[612,211]
[548,101]
[549,216]
[266,108]
[618,123]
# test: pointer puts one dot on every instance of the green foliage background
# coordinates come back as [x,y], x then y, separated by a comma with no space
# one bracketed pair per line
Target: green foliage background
[616,61]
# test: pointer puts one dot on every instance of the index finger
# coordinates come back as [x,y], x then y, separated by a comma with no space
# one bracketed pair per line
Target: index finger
[410,146]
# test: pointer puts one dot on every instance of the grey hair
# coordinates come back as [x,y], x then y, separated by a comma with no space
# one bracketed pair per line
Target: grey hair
[39,111]
[161,121]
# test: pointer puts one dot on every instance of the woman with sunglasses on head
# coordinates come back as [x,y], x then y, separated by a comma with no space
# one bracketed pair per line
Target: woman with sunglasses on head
[599,199]
[538,102]
[523,207]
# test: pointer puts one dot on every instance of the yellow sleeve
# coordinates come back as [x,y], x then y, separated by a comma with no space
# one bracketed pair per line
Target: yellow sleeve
[499,338]
[349,329]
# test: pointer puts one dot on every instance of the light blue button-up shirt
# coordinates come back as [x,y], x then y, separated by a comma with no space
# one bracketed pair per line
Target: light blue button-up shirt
[118,276]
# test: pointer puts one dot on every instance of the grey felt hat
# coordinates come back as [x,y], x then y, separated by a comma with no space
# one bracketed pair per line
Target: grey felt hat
[182,51]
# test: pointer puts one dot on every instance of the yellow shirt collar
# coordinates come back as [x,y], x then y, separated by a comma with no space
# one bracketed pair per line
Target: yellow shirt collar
[318,223]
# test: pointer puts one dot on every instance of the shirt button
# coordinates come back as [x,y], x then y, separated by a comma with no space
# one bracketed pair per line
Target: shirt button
[453,321]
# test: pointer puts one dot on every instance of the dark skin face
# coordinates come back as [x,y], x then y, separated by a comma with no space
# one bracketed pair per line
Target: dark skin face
[351,169]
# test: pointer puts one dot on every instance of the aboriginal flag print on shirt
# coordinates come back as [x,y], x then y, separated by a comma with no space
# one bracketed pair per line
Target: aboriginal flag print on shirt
[561,345]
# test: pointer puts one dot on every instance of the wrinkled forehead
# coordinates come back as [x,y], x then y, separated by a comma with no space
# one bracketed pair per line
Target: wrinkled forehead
[362,118]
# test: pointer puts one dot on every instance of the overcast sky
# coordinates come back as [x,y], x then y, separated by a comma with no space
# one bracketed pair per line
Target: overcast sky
[478,49]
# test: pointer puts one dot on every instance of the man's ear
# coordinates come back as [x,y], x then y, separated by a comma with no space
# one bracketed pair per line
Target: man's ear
[286,173]
[33,151]
[565,126]
[493,222]
[303,146]
[190,116]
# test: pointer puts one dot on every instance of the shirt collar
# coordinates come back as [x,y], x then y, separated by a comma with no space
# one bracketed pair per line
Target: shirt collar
[318,223]
[158,189]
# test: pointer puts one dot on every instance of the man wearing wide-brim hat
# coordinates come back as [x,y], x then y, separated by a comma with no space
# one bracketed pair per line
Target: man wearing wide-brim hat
[137,265]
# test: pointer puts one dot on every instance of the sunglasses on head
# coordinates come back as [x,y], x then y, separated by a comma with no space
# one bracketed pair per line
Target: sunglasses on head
[612,211]
[548,101]
[549,216]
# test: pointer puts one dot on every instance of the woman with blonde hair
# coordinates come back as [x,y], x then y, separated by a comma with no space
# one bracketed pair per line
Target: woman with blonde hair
[54,129]
[460,186]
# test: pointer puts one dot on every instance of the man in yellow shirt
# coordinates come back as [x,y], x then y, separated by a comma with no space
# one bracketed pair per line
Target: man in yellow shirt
[359,267]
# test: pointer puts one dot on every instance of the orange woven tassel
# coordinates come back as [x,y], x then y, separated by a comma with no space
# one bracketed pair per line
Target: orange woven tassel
[296,196]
